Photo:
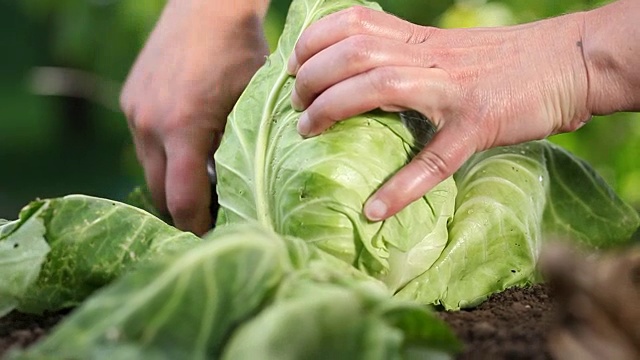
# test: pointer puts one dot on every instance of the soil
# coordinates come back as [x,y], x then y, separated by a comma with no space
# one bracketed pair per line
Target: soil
[22,330]
[510,325]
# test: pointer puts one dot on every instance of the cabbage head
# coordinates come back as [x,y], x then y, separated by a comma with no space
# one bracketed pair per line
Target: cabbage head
[315,188]
[473,235]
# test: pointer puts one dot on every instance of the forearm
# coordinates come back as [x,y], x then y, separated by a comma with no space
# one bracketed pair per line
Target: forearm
[611,45]
[222,9]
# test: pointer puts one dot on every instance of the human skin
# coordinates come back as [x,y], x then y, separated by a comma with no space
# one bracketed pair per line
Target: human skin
[197,61]
[481,87]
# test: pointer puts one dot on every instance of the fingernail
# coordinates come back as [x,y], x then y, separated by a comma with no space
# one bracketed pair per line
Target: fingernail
[375,210]
[292,65]
[304,126]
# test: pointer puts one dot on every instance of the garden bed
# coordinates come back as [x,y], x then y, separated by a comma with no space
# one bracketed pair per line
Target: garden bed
[510,325]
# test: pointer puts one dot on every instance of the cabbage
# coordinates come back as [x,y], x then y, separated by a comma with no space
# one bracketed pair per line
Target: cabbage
[61,250]
[315,188]
[246,293]
[472,235]
[293,269]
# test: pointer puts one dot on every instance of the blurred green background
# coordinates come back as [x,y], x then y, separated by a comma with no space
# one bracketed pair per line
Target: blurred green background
[64,61]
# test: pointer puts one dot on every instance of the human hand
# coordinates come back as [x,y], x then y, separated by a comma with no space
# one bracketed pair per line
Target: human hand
[183,85]
[481,87]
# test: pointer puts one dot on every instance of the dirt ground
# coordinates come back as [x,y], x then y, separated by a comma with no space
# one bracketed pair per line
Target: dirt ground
[511,325]
[21,330]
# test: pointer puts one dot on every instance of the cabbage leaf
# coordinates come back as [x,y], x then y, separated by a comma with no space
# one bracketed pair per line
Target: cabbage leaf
[246,293]
[61,250]
[496,231]
[581,206]
[473,235]
[315,188]
[510,201]
[293,269]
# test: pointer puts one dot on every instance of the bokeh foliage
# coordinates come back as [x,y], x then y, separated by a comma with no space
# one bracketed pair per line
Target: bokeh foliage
[52,145]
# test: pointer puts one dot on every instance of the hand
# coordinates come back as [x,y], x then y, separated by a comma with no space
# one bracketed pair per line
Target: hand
[480,87]
[178,95]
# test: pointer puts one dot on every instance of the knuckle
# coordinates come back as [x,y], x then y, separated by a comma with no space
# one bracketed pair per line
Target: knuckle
[128,109]
[424,33]
[359,48]
[155,117]
[356,18]
[384,81]
[419,34]
[143,123]
[573,125]
[432,163]
[125,105]
[178,118]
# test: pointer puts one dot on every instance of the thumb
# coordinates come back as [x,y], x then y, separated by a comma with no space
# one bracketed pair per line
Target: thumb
[441,157]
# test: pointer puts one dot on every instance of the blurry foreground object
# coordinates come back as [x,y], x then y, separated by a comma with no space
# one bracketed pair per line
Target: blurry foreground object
[598,300]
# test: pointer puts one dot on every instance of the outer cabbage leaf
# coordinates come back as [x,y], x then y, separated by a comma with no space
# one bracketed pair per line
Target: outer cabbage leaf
[190,303]
[20,260]
[510,200]
[61,250]
[315,188]
[581,206]
[141,198]
[496,230]
[319,313]
[181,306]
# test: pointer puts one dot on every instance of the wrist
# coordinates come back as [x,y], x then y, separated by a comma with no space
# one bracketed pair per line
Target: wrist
[611,49]
[232,27]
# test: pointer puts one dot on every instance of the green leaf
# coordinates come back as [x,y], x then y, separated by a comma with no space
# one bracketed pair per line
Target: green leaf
[141,198]
[581,206]
[21,256]
[495,235]
[180,306]
[246,293]
[510,200]
[315,188]
[324,310]
[87,241]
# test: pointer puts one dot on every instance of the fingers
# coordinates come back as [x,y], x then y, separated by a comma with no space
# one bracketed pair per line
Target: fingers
[397,88]
[429,91]
[187,178]
[374,64]
[174,162]
[154,161]
[446,152]
[347,58]
[149,150]
[353,21]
